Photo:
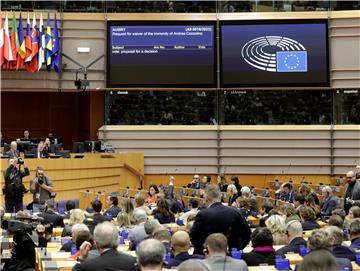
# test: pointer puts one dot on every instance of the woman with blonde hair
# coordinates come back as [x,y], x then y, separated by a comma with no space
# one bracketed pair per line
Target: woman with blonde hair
[128,207]
[77,216]
[276,225]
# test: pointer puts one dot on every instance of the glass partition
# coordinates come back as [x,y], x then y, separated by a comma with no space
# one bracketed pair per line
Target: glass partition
[233,107]
[161,107]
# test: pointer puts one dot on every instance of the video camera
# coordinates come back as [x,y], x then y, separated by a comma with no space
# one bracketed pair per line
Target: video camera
[20,161]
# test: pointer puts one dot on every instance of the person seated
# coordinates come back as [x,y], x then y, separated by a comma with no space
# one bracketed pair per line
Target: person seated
[137,233]
[195,183]
[96,217]
[307,216]
[180,244]
[319,260]
[295,238]
[310,202]
[152,195]
[123,221]
[112,204]
[13,152]
[194,209]
[215,248]
[163,213]
[232,194]
[337,221]
[222,183]
[305,190]
[320,239]
[40,152]
[266,207]
[75,230]
[26,136]
[150,255]
[299,200]
[336,239]
[77,216]
[354,232]
[263,252]
[81,237]
[128,207]
[243,206]
[286,193]
[48,147]
[329,202]
[276,225]
[140,203]
[150,226]
[106,241]
[69,205]
[164,236]
[194,264]
[246,194]
[50,216]
[206,180]
[354,212]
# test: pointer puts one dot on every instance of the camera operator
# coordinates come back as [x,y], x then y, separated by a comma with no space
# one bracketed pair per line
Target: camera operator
[14,188]
[42,189]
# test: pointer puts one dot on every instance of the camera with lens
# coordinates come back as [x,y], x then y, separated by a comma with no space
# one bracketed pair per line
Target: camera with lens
[41,180]
[20,161]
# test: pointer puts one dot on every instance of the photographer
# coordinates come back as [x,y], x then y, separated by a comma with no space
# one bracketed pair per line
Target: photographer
[14,188]
[42,189]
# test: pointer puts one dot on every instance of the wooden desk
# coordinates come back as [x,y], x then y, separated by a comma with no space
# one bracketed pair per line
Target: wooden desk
[293,258]
[254,220]
[97,172]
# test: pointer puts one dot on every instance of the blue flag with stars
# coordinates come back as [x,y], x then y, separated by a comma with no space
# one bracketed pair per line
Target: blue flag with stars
[291,61]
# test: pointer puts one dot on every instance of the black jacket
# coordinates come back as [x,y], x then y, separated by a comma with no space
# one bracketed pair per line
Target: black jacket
[294,246]
[110,260]
[257,258]
[219,218]
[164,219]
[14,187]
[51,217]
[310,225]
[340,251]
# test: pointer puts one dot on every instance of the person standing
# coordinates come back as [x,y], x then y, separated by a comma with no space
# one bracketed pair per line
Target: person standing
[14,188]
[41,187]
[352,191]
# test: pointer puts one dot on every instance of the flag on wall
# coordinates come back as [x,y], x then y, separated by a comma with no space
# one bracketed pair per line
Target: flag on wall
[1,41]
[14,41]
[34,46]
[48,44]
[41,58]
[22,49]
[55,49]
[28,55]
[30,47]
[7,46]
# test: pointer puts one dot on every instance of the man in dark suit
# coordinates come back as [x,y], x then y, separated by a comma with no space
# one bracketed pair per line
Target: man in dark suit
[352,191]
[219,218]
[97,217]
[295,238]
[329,202]
[106,241]
[50,215]
[13,152]
[112,204]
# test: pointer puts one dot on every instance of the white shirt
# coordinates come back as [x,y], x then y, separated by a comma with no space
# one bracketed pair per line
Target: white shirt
[185,216]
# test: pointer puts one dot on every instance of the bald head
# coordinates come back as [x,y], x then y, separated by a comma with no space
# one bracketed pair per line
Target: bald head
[350,176]
[180,241]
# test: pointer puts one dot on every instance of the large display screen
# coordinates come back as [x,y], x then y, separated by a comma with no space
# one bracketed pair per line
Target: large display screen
[274,53]
[161,54]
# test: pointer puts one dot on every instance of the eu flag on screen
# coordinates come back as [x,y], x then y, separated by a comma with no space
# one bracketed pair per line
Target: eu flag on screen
[291,61]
